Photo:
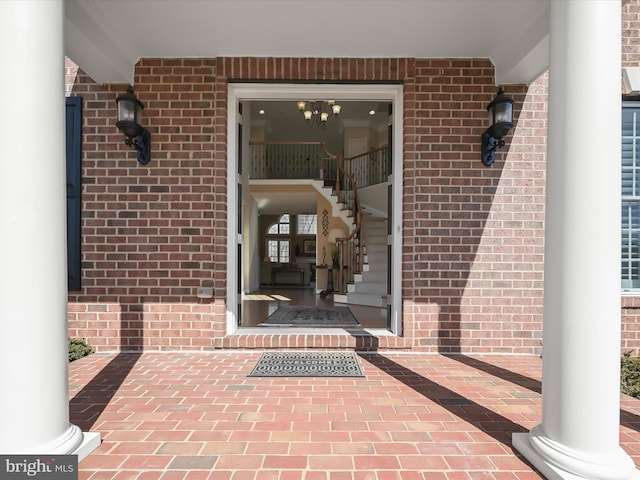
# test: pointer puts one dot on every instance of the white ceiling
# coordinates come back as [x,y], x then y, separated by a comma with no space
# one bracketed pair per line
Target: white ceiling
[107,37]
[281,116]
[286,197]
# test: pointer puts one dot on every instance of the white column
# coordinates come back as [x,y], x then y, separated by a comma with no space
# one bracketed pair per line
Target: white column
[579,433]
[34,404]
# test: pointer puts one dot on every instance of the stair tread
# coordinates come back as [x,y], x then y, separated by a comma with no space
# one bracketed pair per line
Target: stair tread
[370,299]
[370,286]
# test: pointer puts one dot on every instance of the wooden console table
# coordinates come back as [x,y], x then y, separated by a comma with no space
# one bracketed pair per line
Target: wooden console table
[290,270]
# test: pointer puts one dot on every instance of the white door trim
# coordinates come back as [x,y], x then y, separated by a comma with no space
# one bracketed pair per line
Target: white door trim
[238,92]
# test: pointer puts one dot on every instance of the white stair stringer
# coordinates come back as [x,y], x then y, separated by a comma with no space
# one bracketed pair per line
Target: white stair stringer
[370,286]
[337,209]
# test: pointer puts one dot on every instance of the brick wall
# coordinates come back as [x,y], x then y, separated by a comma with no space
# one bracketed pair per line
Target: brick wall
[472,258]
[473,235]
[631,34]
[151,235]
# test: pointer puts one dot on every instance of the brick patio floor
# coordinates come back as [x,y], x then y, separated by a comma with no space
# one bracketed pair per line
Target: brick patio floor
[197,416]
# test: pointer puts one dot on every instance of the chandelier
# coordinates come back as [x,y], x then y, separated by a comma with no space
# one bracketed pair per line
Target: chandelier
[318,112]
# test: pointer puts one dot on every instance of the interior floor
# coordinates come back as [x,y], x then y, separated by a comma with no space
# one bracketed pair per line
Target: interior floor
[257,306]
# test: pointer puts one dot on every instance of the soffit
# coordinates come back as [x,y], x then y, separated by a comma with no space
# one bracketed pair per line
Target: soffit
[107,37]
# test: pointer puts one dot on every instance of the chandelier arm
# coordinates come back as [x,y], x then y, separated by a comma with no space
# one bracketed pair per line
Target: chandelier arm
[316,112]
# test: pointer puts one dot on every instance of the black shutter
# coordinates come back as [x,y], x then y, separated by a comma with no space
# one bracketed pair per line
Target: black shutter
[74,189]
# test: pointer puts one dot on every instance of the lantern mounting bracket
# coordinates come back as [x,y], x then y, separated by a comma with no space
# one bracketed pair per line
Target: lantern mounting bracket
[489,146]
[142,143]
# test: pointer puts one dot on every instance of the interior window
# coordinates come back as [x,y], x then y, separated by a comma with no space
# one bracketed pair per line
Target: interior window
[278,250]
[280,228]
[307,224]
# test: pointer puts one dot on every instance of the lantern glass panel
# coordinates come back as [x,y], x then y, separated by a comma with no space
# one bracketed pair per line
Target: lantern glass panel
[503,112]
[127,111]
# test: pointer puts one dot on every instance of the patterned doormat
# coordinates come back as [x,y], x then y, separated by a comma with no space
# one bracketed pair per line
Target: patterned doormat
[291,316]
[307,364]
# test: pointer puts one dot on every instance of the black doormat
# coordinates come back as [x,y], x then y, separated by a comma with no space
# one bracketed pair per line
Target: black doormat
[291,316]
[307,364]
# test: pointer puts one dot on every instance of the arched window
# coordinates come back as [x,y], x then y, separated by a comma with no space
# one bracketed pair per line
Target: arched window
[282,227]
[279,249]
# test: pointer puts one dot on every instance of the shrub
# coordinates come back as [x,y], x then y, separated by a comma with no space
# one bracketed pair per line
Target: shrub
[630,375]
[78,348]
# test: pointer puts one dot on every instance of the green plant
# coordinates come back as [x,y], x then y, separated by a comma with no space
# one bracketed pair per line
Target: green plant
[78,348]
[630,375]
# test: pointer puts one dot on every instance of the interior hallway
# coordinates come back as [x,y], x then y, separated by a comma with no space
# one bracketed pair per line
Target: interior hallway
[257,306]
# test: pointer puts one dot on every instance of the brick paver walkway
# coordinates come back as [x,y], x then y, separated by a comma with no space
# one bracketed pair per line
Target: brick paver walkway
[197,416]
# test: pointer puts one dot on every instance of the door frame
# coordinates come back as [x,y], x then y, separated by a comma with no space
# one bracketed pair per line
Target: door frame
[238,92]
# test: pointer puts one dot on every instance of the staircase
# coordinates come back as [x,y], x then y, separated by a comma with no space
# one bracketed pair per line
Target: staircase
[363,253]
[370,287]
[338,209]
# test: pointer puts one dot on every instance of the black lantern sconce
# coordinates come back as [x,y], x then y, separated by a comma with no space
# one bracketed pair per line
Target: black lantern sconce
[501,121]
[129,113]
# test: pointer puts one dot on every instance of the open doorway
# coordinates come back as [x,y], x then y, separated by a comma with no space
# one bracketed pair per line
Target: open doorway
[279,260]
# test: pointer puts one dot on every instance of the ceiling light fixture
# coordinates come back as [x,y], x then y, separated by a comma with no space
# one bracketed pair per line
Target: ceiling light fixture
[318,112]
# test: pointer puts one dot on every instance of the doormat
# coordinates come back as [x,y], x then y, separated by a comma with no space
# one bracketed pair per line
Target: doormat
[307,364]
[292,316]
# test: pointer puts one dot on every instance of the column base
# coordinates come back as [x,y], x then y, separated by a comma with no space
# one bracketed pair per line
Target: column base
[64,444]
[72,442]
[90,442]
[76,442]
[558,462]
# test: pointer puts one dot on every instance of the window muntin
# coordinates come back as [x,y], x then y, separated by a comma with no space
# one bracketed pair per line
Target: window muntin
[279,249]
[306,224]
[282,227]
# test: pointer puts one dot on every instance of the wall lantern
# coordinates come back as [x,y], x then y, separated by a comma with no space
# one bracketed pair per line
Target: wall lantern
[129,113]
[500,121]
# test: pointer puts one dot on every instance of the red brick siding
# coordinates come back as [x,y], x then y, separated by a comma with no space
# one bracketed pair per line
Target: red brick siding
[151,235]
[473,235]
[631,34]
[472,257]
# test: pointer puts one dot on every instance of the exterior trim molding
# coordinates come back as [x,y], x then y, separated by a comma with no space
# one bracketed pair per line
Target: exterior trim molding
[237,92]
